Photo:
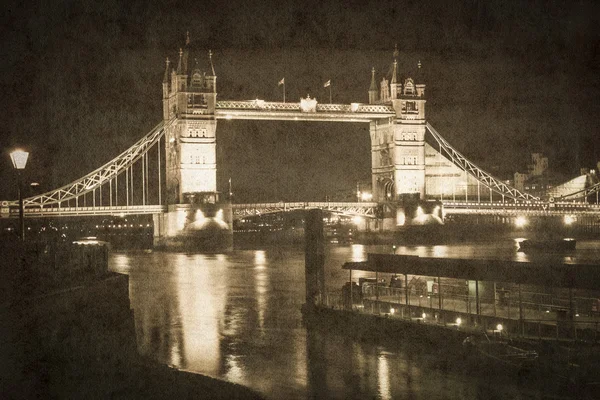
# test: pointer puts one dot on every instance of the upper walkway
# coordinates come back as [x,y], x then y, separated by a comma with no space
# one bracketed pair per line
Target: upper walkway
[305,110]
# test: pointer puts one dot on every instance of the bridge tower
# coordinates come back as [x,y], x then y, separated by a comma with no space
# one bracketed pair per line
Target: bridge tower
[192,199]
[398,144]
[409,138]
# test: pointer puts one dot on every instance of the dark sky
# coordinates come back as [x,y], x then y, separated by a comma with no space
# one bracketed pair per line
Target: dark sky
[81,82]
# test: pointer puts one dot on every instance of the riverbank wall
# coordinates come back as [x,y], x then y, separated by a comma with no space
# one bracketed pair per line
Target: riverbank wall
[75,338]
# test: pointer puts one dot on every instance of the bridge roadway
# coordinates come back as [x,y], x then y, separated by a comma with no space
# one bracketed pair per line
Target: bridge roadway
[364,209]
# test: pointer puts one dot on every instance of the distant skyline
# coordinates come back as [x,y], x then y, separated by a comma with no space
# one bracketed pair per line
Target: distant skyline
[81,83]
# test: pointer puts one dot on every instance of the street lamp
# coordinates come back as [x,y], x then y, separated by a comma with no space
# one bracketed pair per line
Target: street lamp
[19,160]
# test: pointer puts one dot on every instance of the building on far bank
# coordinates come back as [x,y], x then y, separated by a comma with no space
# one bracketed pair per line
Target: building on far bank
[540,182]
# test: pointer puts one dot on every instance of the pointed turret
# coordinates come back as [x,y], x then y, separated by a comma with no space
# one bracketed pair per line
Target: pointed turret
[212,67]
[180,63]
[166,76]
[186,53]
[373,88]
[419,80]
[211,78]
[181,77]
[165,81]
[393,82]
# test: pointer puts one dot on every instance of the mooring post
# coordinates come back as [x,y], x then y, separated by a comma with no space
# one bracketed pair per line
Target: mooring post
[406,288]
[351,290]
[314,258]
[477,305]
[521,323]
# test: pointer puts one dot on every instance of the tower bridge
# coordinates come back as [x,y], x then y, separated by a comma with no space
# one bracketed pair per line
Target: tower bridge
[171,172]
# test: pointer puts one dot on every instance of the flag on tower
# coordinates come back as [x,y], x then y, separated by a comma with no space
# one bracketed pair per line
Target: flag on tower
[281,82]
[327,84]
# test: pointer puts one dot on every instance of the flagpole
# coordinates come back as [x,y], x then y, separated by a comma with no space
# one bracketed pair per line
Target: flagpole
[284,91]
[330,93]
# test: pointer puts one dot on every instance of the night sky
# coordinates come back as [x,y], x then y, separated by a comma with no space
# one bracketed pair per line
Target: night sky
[81,82]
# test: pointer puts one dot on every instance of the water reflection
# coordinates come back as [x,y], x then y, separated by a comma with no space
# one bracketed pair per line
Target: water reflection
[383,377]
[261,284]
[200,293]
[237,317]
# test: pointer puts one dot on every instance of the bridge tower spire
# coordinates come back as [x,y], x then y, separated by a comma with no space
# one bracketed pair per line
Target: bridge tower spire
[373,88]
[393,80]
[165,82]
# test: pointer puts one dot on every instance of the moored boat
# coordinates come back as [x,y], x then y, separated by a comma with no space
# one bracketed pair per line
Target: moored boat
[548,245]
[500,353]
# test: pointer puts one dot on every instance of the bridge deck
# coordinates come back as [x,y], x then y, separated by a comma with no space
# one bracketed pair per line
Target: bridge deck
[365,209]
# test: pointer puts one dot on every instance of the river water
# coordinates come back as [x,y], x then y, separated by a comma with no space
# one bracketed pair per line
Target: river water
[237,317]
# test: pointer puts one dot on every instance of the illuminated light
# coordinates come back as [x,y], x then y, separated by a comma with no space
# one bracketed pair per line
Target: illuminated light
[19,158]
[260,257]
[569,219]
[520,222]
[424,315]
[354,107]
[419,211]
[577,315]
[440,251]
[458,321]
[400,218]
[228,116]
[357,220]
[365,196]
[172,140]
[200,217]
[499,327]
[547,311]
[358,252]
[180,219]
[86,242]
[122,215]
[392,311]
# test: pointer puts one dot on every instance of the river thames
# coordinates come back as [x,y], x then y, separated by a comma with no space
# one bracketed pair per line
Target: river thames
[237,317]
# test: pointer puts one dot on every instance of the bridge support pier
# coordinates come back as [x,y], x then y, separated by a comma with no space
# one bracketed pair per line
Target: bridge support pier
[195,227]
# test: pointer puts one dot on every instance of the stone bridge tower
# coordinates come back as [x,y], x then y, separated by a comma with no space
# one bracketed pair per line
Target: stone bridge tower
[189,98]
[195,217]
[398,144]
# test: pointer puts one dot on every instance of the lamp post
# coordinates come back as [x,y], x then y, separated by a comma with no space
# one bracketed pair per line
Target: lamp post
[19,160]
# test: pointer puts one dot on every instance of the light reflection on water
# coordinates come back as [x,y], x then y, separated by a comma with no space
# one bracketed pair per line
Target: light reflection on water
[237,317]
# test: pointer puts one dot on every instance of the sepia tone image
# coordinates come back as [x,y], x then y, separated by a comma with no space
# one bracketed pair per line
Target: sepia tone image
[300,200]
